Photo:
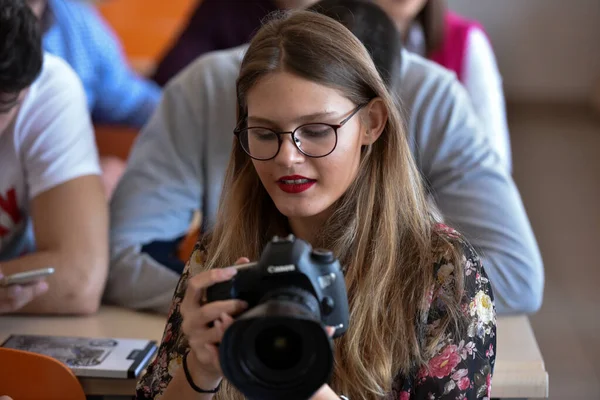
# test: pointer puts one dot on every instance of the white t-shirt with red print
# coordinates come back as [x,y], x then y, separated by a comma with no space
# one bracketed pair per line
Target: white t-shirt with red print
[50,141]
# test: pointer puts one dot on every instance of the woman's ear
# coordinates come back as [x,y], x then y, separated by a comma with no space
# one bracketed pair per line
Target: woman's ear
[376,119]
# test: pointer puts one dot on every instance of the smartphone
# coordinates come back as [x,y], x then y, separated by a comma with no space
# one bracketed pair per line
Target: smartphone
[24,278]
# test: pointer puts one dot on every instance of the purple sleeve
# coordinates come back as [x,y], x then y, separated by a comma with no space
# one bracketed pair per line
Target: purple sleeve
[214,25]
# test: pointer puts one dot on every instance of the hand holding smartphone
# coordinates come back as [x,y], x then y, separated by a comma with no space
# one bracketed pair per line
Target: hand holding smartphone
[25,278]
[19,289]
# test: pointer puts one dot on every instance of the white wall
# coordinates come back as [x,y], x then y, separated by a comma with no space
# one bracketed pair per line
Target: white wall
[547,50]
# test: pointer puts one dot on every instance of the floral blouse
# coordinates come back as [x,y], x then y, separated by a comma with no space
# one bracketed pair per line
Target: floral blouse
[461,369]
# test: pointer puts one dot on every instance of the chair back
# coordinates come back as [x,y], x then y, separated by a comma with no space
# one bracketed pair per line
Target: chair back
[146,27]
[30,376]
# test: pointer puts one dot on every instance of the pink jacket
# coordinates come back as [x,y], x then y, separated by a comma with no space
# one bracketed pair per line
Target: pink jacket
[452,52]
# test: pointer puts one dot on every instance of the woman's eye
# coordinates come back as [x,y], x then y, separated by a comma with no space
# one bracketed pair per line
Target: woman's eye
[316,131]
[262,134]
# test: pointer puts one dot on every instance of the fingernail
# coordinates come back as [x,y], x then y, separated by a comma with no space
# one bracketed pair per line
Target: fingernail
[229,272]
[43,286]
[244,304]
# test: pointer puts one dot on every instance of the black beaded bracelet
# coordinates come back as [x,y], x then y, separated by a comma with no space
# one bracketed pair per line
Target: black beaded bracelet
[188,376]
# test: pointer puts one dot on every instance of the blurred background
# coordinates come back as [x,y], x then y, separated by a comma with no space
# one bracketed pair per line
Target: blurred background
[548,52]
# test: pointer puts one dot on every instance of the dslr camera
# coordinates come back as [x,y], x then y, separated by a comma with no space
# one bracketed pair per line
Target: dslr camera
[279,348]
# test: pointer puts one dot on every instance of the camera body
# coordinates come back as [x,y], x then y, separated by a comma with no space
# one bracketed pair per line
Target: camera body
[279,348]
[291,263]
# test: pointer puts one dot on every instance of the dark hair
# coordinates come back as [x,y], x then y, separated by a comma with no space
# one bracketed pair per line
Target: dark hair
[21,55]
[432,19]
[373,27]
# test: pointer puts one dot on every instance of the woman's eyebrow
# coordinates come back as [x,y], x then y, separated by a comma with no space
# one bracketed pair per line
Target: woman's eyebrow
[302,119]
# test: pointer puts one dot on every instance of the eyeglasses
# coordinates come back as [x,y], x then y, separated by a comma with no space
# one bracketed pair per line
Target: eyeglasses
[313,140]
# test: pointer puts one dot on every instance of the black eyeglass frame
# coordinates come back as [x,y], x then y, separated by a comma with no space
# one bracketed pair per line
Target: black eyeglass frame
[335,128]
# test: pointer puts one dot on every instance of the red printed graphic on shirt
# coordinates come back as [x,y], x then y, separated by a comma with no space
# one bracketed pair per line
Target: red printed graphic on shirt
[9,206]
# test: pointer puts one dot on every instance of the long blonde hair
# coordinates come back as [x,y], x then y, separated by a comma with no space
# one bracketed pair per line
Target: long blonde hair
[381,229]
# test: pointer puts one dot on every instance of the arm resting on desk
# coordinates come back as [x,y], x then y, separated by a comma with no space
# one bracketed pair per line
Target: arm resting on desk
[164,174]
[71,231]
[477,196]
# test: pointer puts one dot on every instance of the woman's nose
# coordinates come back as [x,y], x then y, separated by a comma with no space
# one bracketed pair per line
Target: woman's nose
[289,153]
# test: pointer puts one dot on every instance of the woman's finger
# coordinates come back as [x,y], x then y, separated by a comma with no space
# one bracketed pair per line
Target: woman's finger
[213,335]
[212,311]
[197,284]
[242,260]
[227,320]
[330,330]
[200,318]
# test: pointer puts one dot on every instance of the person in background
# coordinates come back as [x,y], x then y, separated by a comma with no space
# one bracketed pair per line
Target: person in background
[321,153]
[187,144]
[217,25]
[427,28]
[462,46]
[52,209]
[115,94]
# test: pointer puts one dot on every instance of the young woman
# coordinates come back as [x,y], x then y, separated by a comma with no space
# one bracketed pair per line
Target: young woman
[320,152]
[462,46]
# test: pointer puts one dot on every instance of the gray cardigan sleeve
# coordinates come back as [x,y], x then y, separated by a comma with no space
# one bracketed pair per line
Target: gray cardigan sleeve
[155,200]
[476,194]
[177,166]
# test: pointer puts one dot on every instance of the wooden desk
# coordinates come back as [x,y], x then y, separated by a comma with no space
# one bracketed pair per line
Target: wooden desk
[519,373]
[109,322]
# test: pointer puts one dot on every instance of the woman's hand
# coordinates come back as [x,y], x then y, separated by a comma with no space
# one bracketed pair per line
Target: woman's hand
[203,360]
[325,393]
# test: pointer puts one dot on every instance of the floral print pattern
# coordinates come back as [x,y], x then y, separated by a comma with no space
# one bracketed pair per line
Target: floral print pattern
[461,368]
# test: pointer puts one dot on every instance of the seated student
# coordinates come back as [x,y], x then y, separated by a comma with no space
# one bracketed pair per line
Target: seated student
[178,166]
[115,94]
[361,195]
[52,209]
[462,46]
[444,37]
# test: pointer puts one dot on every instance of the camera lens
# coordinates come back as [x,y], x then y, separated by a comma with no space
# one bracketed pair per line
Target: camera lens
[279,347]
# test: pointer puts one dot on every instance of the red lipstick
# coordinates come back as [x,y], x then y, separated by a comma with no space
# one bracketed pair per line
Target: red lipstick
[295,183]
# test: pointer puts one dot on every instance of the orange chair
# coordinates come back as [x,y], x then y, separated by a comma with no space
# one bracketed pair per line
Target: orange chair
[146,27]
[31,376]
[115,140]
[192,236]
